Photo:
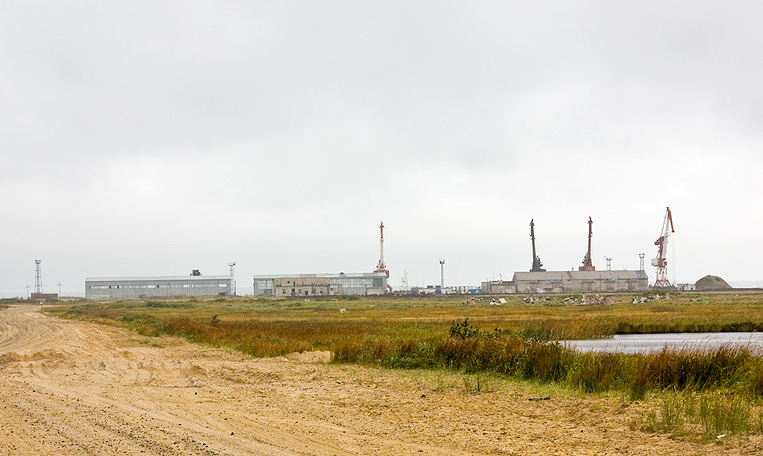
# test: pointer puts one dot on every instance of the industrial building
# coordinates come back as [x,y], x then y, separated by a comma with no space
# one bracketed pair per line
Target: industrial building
[281,285]
[498,287]
[157,287]
[580,281]
[303,286]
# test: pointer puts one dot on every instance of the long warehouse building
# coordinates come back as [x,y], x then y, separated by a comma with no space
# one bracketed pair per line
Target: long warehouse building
[580,281]
[157,287]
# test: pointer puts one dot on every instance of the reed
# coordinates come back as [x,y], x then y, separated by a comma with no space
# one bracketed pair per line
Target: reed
[516,339]
[710,416]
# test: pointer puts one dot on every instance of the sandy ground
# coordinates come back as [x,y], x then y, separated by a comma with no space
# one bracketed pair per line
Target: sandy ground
[74,388]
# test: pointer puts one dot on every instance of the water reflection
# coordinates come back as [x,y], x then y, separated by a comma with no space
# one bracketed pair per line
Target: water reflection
[645,343]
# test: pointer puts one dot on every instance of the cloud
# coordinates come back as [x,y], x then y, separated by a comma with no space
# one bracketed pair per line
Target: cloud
[146,138]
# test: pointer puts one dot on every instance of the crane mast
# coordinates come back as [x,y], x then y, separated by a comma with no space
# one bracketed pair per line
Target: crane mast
[587,263]
[537,265]
[661,262]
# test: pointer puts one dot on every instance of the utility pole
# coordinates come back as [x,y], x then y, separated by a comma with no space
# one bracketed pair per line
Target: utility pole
[59,288]
[27,290]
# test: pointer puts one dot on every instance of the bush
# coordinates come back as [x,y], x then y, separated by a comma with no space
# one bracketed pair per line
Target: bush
[146,325]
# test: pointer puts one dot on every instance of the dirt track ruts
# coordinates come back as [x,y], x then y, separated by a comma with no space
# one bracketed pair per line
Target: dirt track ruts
[74,388]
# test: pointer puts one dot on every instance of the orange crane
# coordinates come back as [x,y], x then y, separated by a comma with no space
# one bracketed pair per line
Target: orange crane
[661,262]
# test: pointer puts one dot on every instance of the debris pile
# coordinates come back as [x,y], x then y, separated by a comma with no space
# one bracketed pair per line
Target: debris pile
[586,300]
[654,297]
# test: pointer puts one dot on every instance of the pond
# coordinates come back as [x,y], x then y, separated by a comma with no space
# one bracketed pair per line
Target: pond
[645,343]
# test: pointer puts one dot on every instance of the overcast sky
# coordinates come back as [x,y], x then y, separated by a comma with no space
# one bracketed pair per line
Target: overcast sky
[154,137]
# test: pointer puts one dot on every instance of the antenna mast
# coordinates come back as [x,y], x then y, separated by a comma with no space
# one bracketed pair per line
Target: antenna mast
[661,262]
[37,277]
[587,264]
[537,265]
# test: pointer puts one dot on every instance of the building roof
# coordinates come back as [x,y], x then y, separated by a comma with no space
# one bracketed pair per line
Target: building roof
[156,278]
[329,275]
[561,276]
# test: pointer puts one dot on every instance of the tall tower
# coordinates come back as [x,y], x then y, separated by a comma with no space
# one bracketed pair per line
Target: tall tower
[232,279]
[442,274]
[537,265]
[37,277]
[381,267]
[587,263]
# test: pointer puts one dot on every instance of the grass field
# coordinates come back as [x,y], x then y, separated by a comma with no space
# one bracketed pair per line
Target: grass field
[703,392]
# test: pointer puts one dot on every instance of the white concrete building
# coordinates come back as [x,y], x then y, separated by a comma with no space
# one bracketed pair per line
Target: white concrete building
[362,284]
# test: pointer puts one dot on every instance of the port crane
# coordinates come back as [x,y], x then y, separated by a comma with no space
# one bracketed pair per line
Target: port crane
[661,262]
[537,265]
[587,263]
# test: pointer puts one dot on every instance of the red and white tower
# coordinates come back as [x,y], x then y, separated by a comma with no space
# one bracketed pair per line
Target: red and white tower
[661,262]
[381,267]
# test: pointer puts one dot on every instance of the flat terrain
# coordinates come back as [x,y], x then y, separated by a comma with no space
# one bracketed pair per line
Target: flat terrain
[73,388]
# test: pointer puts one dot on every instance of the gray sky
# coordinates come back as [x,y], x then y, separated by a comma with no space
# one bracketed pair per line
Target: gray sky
[152,138]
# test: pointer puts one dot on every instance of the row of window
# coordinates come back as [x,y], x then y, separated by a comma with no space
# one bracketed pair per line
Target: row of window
[166,285]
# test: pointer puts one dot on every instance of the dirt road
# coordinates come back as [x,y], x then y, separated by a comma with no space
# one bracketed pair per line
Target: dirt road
[73,388]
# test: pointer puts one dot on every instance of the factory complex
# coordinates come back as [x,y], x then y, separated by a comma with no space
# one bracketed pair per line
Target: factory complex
[537,280]
[585,280]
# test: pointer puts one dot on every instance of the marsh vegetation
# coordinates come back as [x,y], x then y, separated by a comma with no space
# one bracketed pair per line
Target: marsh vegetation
[695,393]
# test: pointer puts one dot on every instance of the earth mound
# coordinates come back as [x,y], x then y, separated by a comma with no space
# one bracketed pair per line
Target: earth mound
[711,282]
